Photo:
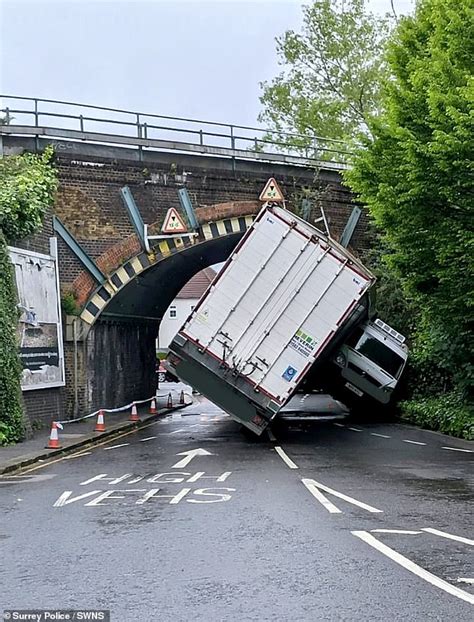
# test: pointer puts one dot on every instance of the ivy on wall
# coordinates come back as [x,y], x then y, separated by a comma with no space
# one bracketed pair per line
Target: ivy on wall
[27,186]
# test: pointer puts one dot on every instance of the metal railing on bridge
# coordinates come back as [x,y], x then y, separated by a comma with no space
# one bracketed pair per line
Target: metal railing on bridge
[84,122]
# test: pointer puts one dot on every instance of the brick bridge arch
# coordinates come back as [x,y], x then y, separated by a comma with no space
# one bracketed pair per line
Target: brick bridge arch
[126,260]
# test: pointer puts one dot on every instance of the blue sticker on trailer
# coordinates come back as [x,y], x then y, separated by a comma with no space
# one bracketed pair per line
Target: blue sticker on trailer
[289,373]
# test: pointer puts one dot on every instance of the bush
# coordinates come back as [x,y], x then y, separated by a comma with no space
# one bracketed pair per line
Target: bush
[11,415]
[449,413]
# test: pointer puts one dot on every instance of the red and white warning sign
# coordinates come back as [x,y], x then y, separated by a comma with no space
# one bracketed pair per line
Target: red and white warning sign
[272,192]
[173,222]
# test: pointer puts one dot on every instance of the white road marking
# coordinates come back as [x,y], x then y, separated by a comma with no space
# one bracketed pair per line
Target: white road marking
[189,455]
[86,453]
[178,431]
[286,459]
[403,531]
[317,494]
[340,425]
[412,567]
[450,536]
[467,451]
[340,495]
[271,436]
[466,580]
[148,438]
[380,435]
[13,479]
[356,429]
[405,440]
[115,446]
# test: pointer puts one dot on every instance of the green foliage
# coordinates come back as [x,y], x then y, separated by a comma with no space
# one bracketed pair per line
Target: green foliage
[416,177]
[447,413]
[27,186]
[11,427]
[330,85]
[69,304]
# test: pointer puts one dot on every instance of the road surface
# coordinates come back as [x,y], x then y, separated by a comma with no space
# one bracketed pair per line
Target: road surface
[187,519]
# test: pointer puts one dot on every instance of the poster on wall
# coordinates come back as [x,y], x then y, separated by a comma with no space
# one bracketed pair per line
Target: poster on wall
[39,328]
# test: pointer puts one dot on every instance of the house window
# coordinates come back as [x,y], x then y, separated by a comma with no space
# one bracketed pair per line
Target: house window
[173,311]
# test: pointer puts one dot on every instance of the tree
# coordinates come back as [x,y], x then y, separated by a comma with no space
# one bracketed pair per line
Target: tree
[416,177]
[330,85]
[27,186]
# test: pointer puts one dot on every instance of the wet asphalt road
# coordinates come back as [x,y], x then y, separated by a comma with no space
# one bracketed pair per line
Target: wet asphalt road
[242,534]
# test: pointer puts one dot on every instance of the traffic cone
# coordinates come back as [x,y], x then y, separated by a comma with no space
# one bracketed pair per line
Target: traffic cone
[53,442]
[170,401]
[100,425]
[153,410]
[181,398]
[134,414]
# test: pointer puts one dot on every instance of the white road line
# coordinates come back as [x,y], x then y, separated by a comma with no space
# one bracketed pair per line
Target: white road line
[364,506]
[466,580]
[356,429]
[286,459]
[317,494]
[148,438]
[403,531]
[115,446]
[468,451]
[412,567]
[443,534]
[380,435]
[178,431]
[86,453]
[405,440]
[340,425]
[271,436]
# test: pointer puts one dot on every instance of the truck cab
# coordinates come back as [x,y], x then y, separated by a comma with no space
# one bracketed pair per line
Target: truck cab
[372,360]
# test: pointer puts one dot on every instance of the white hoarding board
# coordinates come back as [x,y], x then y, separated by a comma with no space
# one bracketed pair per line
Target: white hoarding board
[39,328]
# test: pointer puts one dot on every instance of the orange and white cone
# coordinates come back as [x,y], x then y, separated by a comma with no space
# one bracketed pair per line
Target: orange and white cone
[100,425]
[181,398]
[170,401]
[53,442]
[153,410]
[134,414]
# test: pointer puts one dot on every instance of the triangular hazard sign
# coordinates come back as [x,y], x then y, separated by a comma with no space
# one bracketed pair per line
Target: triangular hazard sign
[173,222]
[272,192]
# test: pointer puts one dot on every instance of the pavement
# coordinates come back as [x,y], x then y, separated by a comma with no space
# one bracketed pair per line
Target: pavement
[81,433]
[187,519]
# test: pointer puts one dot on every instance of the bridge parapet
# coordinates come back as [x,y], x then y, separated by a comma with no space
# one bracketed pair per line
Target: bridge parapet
[47,118]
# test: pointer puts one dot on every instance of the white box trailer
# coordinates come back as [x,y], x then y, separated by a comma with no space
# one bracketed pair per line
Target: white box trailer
[274,309]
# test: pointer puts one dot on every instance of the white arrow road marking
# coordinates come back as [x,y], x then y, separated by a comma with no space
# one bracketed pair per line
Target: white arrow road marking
[466,580]
[412,567]
[340,495]
[189,456]
[443,534]
[286,459]
[403,531]
[317,494]
[467,451]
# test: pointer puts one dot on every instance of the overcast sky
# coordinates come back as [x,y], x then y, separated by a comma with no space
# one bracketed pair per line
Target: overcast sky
[192,59]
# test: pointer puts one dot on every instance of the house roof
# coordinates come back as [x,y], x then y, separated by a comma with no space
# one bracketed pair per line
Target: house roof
[196,286]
